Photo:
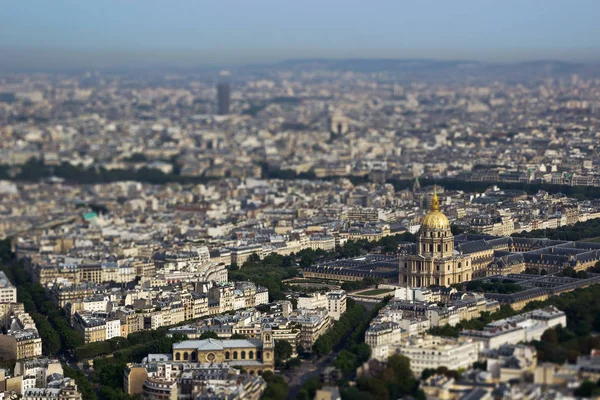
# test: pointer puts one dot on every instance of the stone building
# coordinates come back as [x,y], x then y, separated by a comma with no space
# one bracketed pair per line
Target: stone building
[255,356]
[433,260]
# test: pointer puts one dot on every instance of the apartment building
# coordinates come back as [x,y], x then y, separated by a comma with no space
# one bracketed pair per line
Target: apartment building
[8,293]
[21,344]
[90,327]
[434,351]
[333,301]
[383,338]
[313,323]
[520,328]
[336,303]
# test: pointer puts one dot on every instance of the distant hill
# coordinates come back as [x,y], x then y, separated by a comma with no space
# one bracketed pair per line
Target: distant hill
[376,64]
[425,68]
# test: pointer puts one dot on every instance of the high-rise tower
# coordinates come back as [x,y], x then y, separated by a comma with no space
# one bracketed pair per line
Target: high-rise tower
[223,98]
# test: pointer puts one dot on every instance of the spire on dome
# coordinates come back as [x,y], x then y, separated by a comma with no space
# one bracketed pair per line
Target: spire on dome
[435,202]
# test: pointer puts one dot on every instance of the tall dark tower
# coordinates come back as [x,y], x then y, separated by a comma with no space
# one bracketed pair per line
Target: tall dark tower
[223,98]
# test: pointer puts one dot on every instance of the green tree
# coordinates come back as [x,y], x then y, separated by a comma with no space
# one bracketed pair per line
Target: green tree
[276,389]
[550,336]
[238,336]
[345,362]
[83,384]
[587,389]
[309,389]
[209,335]
[569,272]
[283,351]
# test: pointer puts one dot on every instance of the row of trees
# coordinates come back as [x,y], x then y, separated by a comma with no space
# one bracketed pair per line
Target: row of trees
[35,169]
[571,273]
[55,331]
[109,371]
[351,286]
[354,248]
[493,285]
[353,354]
[86,388]
[579,231]
[579,192]
[125,346]
[273,269]
[558,344]
[268,272]
[51,322]
[582,309]
[326,343]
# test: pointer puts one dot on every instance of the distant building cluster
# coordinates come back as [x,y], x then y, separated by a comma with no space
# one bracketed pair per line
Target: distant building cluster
[413,312]
[130,198]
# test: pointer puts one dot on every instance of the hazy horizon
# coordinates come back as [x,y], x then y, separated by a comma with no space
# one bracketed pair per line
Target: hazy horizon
[38,34]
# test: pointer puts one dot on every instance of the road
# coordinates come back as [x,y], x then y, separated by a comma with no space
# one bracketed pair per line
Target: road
[307,370]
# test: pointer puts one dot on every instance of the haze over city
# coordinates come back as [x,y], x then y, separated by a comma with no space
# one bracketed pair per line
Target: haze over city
[199,33]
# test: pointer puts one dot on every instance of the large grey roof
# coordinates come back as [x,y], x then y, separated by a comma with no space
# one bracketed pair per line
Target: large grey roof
[216,344]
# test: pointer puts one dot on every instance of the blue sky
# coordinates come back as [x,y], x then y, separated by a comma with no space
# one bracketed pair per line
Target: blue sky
[226,31]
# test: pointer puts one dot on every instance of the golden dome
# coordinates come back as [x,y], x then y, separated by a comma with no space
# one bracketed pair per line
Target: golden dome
[435,219]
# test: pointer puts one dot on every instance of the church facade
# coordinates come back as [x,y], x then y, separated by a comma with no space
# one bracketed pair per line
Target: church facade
[254,356]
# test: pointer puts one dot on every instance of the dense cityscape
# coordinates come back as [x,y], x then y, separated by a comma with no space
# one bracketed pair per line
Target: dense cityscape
[308,229]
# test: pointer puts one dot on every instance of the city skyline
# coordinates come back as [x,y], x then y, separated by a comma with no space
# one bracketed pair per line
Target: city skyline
[274,200]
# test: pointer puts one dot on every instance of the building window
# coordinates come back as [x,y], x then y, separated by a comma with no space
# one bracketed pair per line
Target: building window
[235,355]
[243,355]
[439,247]
[437,267]
[227,355]
[251,355]
[258,354]
[185,356]
[177,356]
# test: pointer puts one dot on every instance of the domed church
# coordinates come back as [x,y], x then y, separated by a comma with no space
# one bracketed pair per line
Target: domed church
[433,260]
